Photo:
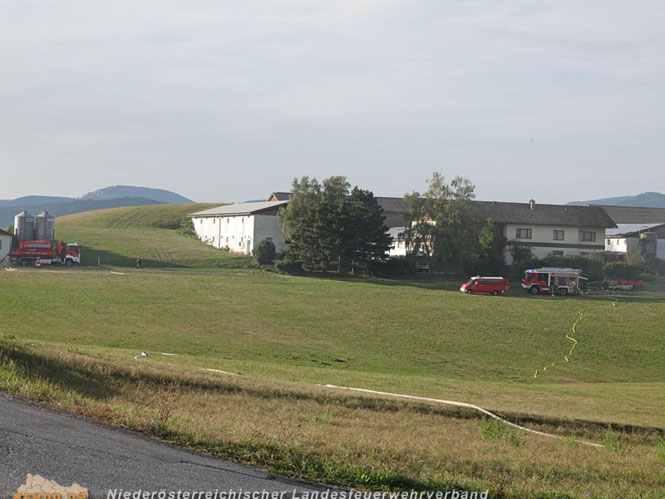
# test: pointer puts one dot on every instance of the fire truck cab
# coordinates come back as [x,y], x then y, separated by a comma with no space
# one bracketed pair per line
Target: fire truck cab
[554,280]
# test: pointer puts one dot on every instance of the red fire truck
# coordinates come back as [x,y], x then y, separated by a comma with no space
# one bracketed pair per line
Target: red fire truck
[46,253]
[560,281]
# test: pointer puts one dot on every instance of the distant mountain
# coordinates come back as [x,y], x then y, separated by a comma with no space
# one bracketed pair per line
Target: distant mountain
[128,191]
[33,200]
[58,209]
[644,200]
[109,197]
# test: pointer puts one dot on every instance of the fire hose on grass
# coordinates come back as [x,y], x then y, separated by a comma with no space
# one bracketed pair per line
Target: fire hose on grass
[422,399]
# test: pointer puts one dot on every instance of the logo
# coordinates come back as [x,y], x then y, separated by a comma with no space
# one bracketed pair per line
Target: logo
[38,487]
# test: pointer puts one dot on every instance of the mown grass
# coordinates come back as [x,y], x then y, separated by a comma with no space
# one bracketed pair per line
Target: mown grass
[117,236]
[354,440]
[413,338]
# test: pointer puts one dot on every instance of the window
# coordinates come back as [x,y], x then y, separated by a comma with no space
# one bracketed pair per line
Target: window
[584,253]
[589,236]
[523,234]
[558,235]
[557,252]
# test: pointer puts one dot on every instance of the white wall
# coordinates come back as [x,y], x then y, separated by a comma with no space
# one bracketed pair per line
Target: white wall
[240,233]
[544,234]
[622,244]
[5,247]
[397,247]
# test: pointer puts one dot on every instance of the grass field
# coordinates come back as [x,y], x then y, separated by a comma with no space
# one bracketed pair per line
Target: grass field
[118,235]
[71,338]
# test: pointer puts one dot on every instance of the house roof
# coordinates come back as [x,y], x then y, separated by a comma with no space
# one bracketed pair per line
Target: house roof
[393,205]
[633,230]
[635,215]
[279,196]
[545,214]
[239,209]
[5,233]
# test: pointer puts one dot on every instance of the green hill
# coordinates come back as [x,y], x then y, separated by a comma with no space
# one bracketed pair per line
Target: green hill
[117,236]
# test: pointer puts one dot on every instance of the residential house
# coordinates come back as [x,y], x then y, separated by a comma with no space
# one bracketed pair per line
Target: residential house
[239,227]
[548,229]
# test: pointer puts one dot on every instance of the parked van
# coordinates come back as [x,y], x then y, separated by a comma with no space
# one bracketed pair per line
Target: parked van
[491,285]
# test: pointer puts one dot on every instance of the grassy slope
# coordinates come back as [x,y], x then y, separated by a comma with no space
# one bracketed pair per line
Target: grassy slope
[118,235]
[419,340]
[70,339]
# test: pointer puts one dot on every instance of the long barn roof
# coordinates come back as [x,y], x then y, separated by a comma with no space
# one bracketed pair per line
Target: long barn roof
[239,209]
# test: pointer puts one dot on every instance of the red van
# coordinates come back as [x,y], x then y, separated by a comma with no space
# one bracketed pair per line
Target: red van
[491,285]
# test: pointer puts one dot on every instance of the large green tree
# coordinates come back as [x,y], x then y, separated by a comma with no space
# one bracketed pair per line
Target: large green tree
[444,223]
[329,227]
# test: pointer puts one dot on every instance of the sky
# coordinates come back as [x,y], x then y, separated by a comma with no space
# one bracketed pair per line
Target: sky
[555,100]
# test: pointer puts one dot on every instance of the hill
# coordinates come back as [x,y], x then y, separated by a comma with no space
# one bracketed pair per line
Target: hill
[117,236]
[108,197]
[128,191]
[644,200]
[68,206]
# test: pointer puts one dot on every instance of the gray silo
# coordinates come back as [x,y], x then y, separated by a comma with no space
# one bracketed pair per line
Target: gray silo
[40,225]
[44,227]
[49,230]
[648,243]
[24,227]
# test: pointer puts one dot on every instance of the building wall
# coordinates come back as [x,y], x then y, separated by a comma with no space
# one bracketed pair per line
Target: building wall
[543,244]
[397,247]
[236,232]
[239,233]
[267,227]
[5,247]
[623,244]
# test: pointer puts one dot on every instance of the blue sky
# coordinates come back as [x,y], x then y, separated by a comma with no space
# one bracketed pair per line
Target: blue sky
[227,101]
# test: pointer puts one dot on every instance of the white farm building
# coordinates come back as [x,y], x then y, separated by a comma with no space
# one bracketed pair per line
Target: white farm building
[239,227]
[5,246]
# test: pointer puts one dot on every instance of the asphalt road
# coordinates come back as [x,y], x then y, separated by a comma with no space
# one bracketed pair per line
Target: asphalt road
[69,449]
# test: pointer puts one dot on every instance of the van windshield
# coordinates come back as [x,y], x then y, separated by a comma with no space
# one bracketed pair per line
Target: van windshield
[470,281]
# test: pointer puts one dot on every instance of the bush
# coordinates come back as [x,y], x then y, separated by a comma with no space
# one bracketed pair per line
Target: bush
[264,251]
[620,270]
[654,266]
[591,266]
[396,266]
[186,227]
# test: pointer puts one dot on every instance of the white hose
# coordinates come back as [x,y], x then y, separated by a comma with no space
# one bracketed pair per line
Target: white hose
[461,404]
[424,399]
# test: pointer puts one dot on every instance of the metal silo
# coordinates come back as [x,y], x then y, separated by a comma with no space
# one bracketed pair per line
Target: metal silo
[24,227]
[49,230]
[40,226]
[648,243]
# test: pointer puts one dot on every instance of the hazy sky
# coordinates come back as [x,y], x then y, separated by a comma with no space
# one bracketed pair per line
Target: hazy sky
[227,101]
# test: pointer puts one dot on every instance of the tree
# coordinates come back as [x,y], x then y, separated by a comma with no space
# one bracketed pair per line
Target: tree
[490,254]
[444,223]
[264,251]
[304,194]
[328,227]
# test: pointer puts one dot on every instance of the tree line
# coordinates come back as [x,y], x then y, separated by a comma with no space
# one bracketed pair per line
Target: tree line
[330,226]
